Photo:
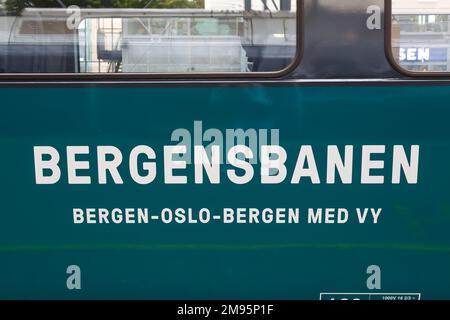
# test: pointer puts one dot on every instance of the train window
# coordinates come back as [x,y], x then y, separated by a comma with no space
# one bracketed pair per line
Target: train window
[420,36]
[148,36]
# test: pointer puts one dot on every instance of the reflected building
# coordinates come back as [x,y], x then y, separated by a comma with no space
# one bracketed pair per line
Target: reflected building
[421,34]
[225,36]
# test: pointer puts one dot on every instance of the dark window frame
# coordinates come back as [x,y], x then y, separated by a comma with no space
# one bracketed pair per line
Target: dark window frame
[178,76]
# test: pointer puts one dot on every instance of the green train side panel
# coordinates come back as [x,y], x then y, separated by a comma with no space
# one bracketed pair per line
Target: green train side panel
[38,239]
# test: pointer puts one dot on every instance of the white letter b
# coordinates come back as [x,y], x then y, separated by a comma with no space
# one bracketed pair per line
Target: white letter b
[52,164]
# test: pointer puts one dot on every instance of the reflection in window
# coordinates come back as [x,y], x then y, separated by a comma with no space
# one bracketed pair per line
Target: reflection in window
[421,35]
[147,36]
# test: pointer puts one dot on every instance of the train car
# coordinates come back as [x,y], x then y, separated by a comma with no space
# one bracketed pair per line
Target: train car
[236,150]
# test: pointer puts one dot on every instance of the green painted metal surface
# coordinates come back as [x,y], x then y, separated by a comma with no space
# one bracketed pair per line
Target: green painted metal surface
[38,239]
